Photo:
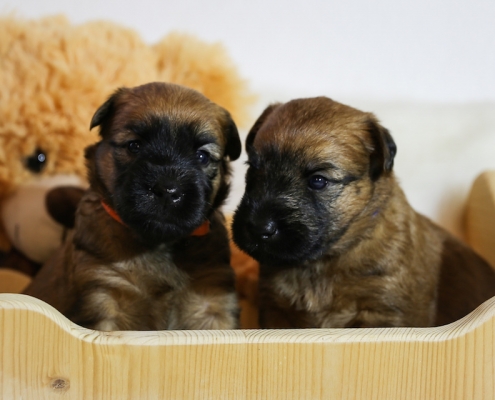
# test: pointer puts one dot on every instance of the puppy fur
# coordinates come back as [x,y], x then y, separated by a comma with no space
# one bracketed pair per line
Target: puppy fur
[337,241]
[162,165]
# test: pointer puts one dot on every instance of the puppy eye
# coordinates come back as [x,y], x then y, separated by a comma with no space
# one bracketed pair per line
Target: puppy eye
[317,182]
[134,146]
[203,157]
[37,161]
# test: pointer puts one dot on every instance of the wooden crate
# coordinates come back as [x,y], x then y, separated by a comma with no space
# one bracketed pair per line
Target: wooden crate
[45,356]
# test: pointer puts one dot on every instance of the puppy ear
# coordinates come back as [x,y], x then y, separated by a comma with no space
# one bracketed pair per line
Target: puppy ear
[106,110]
[61,203]
[233,147]
[259,122]
[385,149]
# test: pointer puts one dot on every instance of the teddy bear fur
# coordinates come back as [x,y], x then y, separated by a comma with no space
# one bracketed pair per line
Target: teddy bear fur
[54,75]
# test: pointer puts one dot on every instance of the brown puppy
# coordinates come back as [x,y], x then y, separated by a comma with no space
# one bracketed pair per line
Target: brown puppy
[149,249]
[338,243]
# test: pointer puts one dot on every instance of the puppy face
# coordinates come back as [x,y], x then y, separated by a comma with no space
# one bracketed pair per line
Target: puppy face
[314,180]
[162,161]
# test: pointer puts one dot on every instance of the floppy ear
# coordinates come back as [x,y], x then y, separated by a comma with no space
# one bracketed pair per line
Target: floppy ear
[61,203]
[233,147]
[385,149]
[259,122]
[106,110]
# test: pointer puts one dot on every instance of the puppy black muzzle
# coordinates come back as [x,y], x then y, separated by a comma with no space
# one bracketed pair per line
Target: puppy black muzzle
[163,203]
[273,233]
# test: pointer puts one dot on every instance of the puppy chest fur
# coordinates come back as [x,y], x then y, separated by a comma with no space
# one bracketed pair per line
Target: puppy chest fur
[148,292]
[363,287]
[137,293]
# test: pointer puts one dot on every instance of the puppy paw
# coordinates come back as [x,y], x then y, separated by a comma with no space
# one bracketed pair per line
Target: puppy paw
[207,311]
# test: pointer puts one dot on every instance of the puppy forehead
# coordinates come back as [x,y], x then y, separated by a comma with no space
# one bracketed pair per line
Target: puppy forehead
[317,128]
[177,105]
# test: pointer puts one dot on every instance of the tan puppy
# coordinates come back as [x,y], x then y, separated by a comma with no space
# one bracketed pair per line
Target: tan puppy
[149,249]
[338,243]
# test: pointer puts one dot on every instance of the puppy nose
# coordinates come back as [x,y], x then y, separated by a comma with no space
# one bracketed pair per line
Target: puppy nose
[265,230]
[174,194]
[170,193]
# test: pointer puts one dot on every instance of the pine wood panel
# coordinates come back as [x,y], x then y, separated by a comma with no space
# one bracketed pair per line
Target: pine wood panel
[45,356]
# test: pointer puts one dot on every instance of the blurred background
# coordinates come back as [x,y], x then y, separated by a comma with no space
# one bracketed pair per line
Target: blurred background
[425,68]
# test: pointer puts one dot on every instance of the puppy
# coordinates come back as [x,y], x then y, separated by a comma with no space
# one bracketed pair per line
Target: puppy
[337,241]
[149,250]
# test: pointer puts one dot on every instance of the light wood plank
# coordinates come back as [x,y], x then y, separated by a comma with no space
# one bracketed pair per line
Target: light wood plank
[45,356]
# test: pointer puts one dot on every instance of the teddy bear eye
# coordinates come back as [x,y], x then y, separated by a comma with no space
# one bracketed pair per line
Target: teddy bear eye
[134,146]
[317,182]
[37,161]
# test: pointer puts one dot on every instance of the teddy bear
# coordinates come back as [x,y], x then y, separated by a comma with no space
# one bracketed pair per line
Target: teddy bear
[53,76]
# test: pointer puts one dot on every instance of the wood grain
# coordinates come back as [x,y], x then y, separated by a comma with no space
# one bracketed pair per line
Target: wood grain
[45,356]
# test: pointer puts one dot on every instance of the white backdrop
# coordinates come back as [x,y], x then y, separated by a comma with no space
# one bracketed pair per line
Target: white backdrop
[425,67]
[423,49]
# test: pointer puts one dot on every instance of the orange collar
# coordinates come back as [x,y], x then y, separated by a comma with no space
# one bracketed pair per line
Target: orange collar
[112,213]
[201,230]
